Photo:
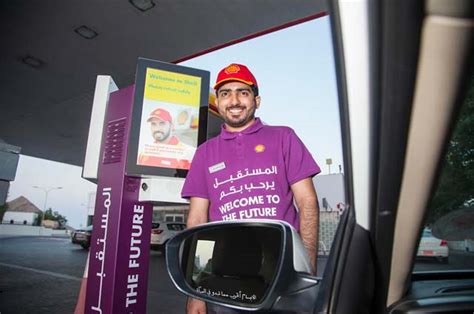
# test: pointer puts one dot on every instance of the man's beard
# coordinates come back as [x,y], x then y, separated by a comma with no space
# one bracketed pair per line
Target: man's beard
[161,136]
[240,122]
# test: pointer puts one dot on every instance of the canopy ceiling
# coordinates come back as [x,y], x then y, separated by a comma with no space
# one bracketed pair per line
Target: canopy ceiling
[48,71]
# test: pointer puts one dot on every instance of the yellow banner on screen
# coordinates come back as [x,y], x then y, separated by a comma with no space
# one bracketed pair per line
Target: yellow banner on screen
[172,87]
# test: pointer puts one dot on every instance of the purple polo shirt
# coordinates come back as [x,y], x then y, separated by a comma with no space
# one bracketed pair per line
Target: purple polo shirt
[248,174]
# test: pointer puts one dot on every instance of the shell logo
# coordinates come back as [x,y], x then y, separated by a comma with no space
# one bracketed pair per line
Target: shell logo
[259,148]
[233,68]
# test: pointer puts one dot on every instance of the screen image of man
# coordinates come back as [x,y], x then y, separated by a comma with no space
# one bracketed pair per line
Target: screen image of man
[161,124]
[166,150]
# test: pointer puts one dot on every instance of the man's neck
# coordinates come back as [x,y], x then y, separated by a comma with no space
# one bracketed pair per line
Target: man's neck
[240,128]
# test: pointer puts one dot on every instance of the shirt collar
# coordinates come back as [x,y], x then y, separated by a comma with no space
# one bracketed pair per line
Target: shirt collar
[227,135]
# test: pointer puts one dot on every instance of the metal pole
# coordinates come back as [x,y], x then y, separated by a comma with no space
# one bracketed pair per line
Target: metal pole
[46,191]
[44,207]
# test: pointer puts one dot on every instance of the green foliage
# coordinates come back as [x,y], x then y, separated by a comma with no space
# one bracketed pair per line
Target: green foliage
[456,185]
[3,209]
[37,221]
[50,215]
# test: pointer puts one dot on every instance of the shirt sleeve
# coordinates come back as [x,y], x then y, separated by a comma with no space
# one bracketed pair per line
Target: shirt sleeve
[298,160]
[195,184]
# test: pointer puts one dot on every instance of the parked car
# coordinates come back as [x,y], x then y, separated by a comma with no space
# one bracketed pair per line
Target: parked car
[82,237]
[432,247]
[162,231]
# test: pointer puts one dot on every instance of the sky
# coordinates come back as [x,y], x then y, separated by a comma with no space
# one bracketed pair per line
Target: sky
[72,200]
[295,71]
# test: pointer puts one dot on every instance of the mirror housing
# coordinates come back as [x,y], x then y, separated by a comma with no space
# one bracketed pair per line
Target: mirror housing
[249,265]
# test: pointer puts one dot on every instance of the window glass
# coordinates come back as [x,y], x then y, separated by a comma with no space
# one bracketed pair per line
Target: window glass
[176,227]
[447,240]
[174,218]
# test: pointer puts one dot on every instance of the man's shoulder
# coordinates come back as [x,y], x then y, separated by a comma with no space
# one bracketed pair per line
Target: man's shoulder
[203,154]
[278,129]
[206,146]
[209,143]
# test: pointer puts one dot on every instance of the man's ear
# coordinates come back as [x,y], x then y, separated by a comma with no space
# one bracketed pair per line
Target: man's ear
[257,101]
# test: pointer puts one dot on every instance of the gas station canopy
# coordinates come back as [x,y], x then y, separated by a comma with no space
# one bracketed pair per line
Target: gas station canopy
[52,52]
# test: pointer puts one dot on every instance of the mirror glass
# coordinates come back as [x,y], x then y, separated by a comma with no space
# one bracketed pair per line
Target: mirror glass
[237,263]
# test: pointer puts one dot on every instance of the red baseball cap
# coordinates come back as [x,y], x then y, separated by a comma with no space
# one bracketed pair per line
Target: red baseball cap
[161,114]
[235,72]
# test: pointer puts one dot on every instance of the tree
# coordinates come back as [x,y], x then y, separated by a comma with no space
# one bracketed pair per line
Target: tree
[37,221]
[456,184]
[3,209]
[55,216]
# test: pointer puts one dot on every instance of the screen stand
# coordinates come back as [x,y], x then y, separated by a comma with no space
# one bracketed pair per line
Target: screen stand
[120,243]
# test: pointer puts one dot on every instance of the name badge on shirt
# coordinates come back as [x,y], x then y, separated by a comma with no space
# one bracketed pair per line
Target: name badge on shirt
[217,167]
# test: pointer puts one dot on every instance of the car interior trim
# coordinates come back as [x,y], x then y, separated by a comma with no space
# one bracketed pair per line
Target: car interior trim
[334,274]
[343,101]
[397,33]
[357,61]
[445,47]
[352,296]
[329,285]
[452,8]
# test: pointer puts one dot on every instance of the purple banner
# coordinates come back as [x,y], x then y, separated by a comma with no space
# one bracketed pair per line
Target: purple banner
[120,244]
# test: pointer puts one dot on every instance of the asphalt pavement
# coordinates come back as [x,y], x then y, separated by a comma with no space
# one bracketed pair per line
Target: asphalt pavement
[39,275]
[43,275]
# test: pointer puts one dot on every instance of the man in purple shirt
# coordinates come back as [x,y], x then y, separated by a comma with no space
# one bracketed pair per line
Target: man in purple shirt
[251,170]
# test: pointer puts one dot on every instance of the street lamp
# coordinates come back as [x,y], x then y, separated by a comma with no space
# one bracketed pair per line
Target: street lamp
[46,191]
[329,163]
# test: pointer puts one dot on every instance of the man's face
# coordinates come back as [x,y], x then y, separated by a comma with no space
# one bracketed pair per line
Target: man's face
[237,104]
[160,130]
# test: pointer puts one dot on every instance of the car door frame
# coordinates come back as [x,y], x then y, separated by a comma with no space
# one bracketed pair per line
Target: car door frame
[360,276]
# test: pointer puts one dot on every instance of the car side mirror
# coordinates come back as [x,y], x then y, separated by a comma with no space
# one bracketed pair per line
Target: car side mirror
[247,265]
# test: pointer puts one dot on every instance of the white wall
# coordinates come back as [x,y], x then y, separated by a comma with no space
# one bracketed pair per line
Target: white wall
[19,217]
[331,187]
[22,230]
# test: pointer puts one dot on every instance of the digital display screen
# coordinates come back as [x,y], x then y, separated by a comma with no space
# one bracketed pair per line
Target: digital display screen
[169,118]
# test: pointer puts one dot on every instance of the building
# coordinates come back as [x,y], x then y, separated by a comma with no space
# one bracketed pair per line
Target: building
[21,211]
[331,197]
[170,212]
[331,194]
[177,213]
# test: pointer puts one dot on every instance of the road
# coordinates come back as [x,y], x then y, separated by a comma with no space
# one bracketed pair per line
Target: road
[43,274]
[457,260]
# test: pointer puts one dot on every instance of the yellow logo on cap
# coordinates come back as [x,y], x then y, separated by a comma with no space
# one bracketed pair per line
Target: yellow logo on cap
[260,148]
[233,68]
